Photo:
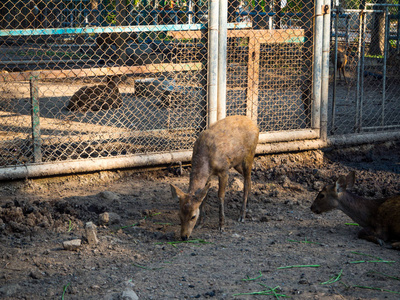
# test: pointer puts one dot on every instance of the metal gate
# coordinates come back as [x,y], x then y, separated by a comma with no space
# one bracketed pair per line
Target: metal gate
[367,100]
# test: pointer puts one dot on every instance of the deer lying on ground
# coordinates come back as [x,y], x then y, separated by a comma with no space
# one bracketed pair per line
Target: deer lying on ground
[380,218]
[97,97]
[229,143]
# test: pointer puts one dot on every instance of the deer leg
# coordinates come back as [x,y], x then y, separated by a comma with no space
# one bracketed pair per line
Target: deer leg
[223,180]
[246,188]
[367,235]
[344,76]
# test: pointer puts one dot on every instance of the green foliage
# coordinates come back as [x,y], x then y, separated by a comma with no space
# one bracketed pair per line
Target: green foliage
[293,6]
[111,18]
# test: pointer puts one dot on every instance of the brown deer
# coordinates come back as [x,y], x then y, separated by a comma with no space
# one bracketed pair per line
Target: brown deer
[342,59]
[380,218]
[229,143]
[97,97]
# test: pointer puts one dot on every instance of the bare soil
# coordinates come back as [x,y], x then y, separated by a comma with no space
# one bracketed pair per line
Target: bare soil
[137,254]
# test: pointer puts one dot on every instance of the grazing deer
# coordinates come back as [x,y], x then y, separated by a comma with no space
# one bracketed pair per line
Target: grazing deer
[229,143]
[97,97]
[380,218]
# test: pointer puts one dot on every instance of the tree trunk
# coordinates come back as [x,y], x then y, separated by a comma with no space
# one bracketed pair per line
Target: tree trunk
[378,32]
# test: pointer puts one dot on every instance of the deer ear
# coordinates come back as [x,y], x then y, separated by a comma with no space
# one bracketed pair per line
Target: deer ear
[201,194]
[177,193]
[341,184]
[350,179]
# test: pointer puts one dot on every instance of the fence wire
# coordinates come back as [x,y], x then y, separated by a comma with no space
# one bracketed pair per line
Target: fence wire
[81,88]
[100,94]
[366,99]
[92,79]
[270,66]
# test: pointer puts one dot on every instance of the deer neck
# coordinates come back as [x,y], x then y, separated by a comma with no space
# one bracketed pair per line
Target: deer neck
[201,171]
[359,209]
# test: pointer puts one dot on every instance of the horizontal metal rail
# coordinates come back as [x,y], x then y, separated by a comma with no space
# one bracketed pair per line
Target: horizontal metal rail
[148,160]
[382,4]
[292,135]
[109,29]
[90,72]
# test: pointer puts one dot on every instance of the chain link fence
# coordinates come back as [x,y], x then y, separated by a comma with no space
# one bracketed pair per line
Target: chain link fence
[96,79]
[270,66]
[367,45]
[91,79]
[100,94]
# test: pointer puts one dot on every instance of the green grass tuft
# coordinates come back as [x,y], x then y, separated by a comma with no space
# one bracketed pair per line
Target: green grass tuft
[299,266]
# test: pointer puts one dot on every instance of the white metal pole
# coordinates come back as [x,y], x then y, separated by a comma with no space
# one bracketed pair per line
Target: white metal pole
[222,55]
[326,38]
[317,72]
[213,61]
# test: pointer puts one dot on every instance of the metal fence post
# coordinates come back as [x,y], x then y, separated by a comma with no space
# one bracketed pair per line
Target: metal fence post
[335,70]
[326,38]
[316,109]
[385,56]
[37,142]
[222,55]
[213,62]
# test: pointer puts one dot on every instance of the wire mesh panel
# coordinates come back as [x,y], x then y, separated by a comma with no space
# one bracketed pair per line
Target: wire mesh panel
[269,73]
[111,78]
[367,45]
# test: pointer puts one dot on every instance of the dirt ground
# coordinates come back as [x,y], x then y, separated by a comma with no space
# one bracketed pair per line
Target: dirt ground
[137,256]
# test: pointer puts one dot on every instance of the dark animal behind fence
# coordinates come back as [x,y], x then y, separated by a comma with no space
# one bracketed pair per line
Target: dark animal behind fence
[380,218]
[97,97]
[342,60]
[107,39]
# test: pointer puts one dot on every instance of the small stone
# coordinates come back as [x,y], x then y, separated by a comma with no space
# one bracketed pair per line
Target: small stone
[95,287]
[36,274]
[129,294]
[109,195]
[91,233]
[303,281]
[109,218]
[210,294]
[72,245]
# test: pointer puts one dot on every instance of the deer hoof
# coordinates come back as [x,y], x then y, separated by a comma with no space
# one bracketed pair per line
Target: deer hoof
[380,242]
